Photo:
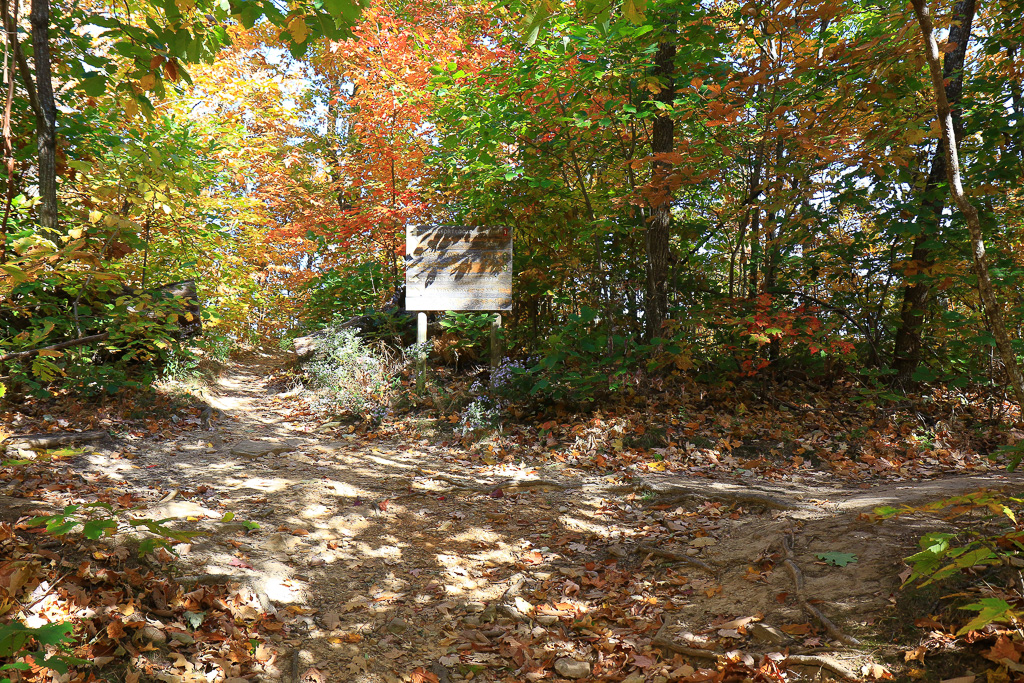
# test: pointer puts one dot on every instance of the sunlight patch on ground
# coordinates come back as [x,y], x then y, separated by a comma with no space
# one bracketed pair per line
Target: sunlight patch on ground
[500,555]
[476,534]
[228,402]
[577,524]
[389,463]
[315,511]
[347,490]
[347,526]
[385,552]
[265,484]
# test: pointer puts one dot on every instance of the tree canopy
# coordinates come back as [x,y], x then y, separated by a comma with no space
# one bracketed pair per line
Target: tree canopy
[715,188]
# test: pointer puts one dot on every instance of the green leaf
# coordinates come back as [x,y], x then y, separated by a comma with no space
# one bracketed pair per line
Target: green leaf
[97,527]
[837,559]
[989,610]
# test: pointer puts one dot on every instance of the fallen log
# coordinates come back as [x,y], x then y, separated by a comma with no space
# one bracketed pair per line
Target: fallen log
[56,439]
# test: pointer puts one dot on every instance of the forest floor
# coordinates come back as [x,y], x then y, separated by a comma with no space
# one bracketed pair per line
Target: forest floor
[332,553]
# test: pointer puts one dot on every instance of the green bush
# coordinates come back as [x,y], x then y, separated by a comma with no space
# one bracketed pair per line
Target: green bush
[143,330]
[585,362]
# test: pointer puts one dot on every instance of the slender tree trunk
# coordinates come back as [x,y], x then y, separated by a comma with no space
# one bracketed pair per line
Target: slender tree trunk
[986,290]
[46,117]
[656,237]
[1017,97]
[908,346]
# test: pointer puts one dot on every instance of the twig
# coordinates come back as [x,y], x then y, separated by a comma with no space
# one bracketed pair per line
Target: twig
[677,557]
[798,582]
[14,355]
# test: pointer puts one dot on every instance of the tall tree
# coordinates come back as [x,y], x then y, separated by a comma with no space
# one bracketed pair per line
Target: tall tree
[908,346]
[46,114]
[986,290]
[656,237]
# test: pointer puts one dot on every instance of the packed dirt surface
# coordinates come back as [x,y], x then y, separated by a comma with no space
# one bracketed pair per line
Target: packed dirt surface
[393,559]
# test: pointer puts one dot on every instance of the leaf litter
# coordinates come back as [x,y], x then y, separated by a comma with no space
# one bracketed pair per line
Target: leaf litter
[624,544]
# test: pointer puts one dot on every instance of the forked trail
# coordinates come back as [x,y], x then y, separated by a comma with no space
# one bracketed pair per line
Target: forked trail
[385,559]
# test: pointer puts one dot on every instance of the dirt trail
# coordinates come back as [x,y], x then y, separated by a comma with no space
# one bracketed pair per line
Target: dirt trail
[384,555]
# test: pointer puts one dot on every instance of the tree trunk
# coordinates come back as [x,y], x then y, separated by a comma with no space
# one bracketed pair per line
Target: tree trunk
[656,237]
[986,290]
[46,117]
[917,296]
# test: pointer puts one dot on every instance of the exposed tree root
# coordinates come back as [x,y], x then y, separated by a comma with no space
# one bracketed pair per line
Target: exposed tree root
[677,557]
[821,661]
[721,493]
[824,662]
[798,583]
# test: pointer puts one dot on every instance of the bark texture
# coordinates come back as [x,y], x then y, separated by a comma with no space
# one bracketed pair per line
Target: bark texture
[986,290]
[656,237]
[46,116]
[917,296]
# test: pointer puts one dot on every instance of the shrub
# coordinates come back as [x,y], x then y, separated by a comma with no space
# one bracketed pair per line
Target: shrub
[350,376]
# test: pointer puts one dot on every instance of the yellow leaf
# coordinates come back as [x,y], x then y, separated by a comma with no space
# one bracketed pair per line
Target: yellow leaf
[297,27]
[95,216]
[131,108]
[51,353]
[147,82]
[75,233]
[914,135]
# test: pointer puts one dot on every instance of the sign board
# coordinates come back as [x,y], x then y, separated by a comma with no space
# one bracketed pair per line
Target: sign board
[458,268]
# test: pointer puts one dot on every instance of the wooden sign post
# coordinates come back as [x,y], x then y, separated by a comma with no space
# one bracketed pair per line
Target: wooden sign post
[458,268]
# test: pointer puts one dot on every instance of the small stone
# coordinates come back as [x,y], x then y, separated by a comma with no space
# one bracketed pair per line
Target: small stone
[398,626]
[570,668]
[563,509]
[763,633]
